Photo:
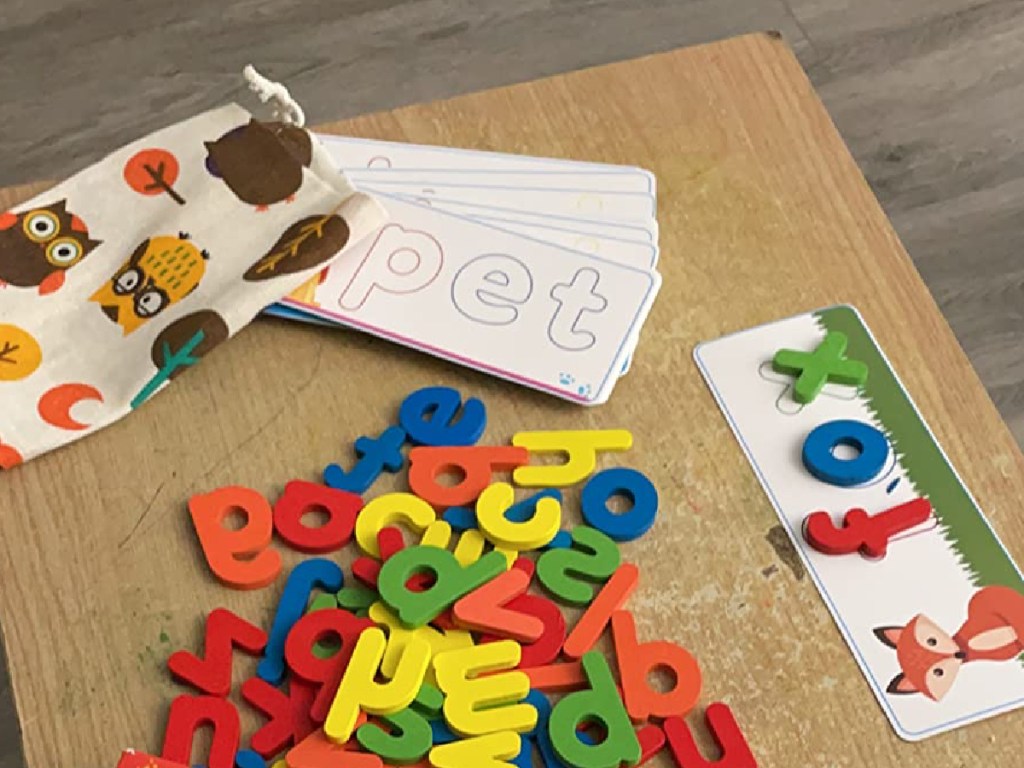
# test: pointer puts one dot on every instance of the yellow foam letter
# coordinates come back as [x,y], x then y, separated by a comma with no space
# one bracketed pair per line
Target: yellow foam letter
[470,546]
[359,688]
[581,446]
[475,706]
[532,534]
[399,637]
[387,510]
[490,751]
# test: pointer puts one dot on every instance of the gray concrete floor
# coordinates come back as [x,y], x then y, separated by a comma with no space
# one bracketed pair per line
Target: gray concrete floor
[929,95]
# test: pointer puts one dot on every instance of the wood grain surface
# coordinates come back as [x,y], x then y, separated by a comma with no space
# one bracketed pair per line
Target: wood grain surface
[927,96]
[764,214]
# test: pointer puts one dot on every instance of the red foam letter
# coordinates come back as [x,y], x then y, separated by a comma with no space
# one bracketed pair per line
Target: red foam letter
[723,727]
[188,715]
[313,628]
[868,533]
[212,673]
[288,718]
[300,497]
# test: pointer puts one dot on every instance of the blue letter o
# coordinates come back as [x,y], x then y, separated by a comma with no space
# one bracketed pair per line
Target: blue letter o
[626,482]
[821,461]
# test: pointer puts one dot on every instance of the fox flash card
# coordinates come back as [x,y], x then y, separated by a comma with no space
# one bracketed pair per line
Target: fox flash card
[926,596]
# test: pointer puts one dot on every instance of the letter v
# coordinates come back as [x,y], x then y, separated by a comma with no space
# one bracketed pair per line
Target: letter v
[483,609]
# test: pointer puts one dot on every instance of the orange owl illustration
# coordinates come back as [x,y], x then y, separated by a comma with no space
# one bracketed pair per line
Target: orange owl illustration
[261,162]
[161,272]
[38,246]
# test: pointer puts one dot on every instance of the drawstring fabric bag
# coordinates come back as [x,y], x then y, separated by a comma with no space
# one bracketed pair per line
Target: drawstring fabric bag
[119,279]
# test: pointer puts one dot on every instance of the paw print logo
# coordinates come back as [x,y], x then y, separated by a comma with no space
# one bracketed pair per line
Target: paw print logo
[785,403]
[568,381]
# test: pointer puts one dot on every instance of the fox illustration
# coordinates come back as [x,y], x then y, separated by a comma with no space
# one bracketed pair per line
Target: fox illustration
[930,659]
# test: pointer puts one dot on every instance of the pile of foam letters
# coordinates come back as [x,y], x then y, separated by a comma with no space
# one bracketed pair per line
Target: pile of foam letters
[436,657]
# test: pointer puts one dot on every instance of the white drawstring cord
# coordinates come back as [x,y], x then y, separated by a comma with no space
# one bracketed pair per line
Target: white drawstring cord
[286,108]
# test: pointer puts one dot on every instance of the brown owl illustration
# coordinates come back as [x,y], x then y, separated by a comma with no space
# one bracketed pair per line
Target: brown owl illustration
[38,246]
[261,162]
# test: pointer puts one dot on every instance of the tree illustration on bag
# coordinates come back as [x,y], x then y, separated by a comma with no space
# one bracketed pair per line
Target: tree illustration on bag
[20,353]
[153,172]
[180,346]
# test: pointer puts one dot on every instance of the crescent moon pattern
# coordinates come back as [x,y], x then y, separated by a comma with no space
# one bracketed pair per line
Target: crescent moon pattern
[9,457]
[55,405]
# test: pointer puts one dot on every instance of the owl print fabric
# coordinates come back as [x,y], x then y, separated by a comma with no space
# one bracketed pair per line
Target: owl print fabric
[126,275]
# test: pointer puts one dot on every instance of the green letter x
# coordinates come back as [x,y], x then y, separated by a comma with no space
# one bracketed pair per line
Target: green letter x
[815,369]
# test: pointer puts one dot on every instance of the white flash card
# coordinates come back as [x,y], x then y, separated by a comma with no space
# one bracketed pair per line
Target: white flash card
[637,181]
[547,317]
[643,255]
[623,231]
[610,206]
[350,153]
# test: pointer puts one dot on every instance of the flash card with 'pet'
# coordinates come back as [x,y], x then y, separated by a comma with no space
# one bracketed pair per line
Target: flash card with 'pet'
[554,319]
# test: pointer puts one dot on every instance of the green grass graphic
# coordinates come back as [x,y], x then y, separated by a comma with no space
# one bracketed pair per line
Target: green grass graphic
[960,521]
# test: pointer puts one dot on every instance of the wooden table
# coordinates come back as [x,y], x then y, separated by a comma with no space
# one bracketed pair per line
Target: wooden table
[764,214]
